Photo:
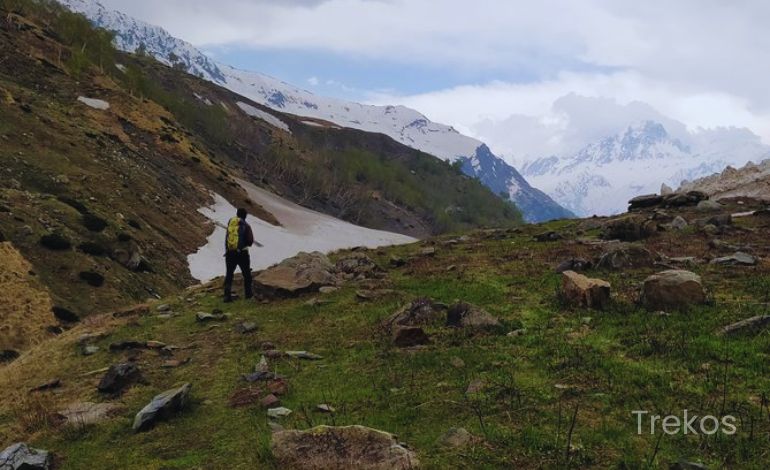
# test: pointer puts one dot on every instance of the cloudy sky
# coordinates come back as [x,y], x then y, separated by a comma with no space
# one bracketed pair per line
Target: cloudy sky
[532,78]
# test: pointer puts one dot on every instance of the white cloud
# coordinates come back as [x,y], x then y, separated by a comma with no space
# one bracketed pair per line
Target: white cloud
[313,81]
[701,62]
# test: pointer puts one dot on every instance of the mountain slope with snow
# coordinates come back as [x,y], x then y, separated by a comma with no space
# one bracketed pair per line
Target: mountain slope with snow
[403,124]
[603,176]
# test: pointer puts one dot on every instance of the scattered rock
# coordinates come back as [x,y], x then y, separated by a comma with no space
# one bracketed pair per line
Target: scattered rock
[270,401]
[644,201]
[629,228]
[302,273]
[163,308]
[278,387]
[262,365]
[302,355]
[585,292]
[672,289]
[738,259]
[20,456]
[119,377]
[89,349]
[173,363]
[340,447]
[280,412]
[683,465]
[517,332]
[408,336]
[88,413]
[678,223]
[465,315]
[328,290]
[422,311]
[204,317]
[428,251]
[708,205]
[260,376]
[573,264]
[717,244]
[625,256]
[162,407]
[455,438]
[550,236]
[325,408]
[246,396]
[749,326]
[245,327]
[397,262]
[358,264]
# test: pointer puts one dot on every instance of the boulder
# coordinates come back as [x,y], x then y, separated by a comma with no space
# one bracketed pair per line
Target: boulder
[304,272]
[119,377]
[20,456]
[749,326]
[672,289]
[422,311]
[709,205]
[162,407]
[584,291]
[548,236]
[647,200]
[357,264]
[629,228]
[408,336]
[665,190]
[678,223]
[625,256]
[573,264]
[739,258]
[329,447]
[465,315]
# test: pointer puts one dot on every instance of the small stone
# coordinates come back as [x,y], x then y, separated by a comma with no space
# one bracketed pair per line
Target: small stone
[517,332]
[328,289]
[273,354]
[89,350]
[86,413]
[163,308]
[262,365]
[161,407]
[428,251]
[173,363]
[245,327]
[154,345]
[738,259]
[270,401]
[278,387]
[204,317]
[20,456]
[324,408]
[119,377]
[455,438]
[457,363]
[279,412]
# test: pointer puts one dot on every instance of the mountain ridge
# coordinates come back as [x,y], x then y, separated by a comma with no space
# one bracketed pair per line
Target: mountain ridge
[403,124]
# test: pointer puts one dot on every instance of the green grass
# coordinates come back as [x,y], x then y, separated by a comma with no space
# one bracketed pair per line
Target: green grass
[608,365]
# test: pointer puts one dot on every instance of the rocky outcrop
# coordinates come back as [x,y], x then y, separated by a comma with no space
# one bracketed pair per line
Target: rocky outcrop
[304,272]
[625,256]
[739,258]
[162,407]
[629,228]
[465,315]
[329,447]
[585,292]
[420,312]
[20,456]
[672,289]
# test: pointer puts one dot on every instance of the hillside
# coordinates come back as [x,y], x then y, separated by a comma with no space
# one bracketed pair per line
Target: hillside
[400,123]
[548,384]
[751,180]
[107,159]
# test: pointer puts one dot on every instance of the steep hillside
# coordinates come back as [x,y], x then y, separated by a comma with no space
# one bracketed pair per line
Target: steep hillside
[545,384]
[751,180]
[599,178]
[107,157]
[402,124]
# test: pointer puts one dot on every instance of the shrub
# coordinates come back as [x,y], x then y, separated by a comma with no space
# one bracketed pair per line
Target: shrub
[94,223]
[93,249]
[65,315]
[92,278]
[55,241]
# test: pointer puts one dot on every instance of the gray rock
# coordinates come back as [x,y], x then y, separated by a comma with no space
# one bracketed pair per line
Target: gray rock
[665,190]
[87,413]
[279,412]
[245,327]
[646,200]
[89,350]
[162,407]
[465,315]
[408,336]
[20,456]
[301,273]
[678,223]
[204,317]
[455,438]
[585,292]
[302,355]
[749,326]
[573,264]
[625,256]
[118,377]
[739,258]
[672,289]
[329,447]
[709,205]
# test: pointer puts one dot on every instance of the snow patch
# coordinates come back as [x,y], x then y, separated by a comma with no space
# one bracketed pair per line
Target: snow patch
[94,103]
[302,230]
[267,117]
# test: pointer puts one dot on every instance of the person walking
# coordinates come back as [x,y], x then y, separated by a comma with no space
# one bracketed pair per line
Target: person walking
[237,242]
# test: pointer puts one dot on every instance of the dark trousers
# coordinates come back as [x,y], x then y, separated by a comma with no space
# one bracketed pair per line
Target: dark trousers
[238,259]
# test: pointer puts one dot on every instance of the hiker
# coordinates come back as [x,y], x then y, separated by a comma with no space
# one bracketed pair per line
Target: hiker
[237,242]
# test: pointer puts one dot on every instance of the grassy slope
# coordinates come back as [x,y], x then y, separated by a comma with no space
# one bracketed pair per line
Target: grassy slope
[609,365]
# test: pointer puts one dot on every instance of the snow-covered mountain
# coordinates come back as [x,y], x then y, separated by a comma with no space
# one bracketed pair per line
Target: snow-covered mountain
[603,176]
[398,122]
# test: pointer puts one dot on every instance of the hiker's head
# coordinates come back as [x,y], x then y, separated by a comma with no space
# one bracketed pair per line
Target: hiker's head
[241,213]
